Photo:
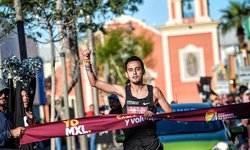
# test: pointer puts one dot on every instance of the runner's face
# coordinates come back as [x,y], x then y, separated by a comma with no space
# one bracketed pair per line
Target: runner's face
[134,72]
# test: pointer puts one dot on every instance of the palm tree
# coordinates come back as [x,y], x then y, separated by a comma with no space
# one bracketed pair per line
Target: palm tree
[234,17]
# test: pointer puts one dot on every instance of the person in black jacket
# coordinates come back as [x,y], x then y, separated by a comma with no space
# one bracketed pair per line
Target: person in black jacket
[9,137]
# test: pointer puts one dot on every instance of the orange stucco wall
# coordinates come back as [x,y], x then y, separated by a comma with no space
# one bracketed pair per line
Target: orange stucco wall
[155,60]
[187,91]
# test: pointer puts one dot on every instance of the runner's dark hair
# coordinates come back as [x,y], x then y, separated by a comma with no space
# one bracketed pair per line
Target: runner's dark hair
[133,58]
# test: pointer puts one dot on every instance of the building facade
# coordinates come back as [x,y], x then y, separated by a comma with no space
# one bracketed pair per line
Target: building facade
[190,48]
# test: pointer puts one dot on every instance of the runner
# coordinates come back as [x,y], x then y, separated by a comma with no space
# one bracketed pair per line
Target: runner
[135,98]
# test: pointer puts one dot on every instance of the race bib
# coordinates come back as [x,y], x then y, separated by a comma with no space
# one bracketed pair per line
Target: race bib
[136,109]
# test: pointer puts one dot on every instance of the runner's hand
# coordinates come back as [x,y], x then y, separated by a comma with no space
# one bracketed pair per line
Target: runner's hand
[148,114]
[86,54]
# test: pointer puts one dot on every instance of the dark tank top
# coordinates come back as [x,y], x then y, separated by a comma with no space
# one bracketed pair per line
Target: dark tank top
[139,106]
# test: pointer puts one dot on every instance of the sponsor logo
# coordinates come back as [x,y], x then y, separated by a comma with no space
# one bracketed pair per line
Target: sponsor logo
[136,120]
[73,128]
[224,116]
[120,117]
[144,103]
[136,109]
[211,115]
[132,103]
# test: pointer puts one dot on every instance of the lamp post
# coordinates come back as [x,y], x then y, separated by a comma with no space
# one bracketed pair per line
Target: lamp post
[20,29]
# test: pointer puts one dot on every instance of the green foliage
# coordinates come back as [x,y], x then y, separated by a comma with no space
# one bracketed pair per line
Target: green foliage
[118,45]
[234,17]
[38,16]
[7,15]
[42,15]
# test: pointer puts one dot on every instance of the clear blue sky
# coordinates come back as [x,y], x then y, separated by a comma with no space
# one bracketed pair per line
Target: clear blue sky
[154,12]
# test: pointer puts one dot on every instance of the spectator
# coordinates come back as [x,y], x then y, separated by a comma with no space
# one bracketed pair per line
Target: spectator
[9,138]
[92,136]
[116,108]
[103,109]
[240,92]
[245,122]
[230,99]
[29,117]
[246,96]
[103,139]
[217,102]
[114,104]
[242,138]
[91,111]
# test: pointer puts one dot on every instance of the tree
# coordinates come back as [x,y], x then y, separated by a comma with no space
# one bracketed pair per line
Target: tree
[234,17]
[40,22]
[41,17]
[119,44]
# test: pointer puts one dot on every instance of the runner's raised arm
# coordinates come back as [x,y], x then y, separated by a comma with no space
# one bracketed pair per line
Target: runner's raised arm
[95,82]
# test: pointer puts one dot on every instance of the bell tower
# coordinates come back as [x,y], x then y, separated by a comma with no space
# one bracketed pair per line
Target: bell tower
[190,48]
[187,11]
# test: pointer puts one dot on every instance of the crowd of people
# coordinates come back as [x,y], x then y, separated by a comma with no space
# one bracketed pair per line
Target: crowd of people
[240,95]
